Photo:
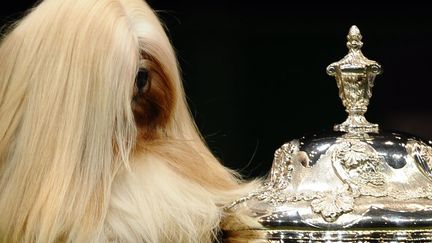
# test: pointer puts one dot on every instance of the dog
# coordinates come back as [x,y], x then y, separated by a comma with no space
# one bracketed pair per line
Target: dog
[97,143]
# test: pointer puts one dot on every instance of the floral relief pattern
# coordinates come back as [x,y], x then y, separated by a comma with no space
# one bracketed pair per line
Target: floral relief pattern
[357,164]
[361,162]
[332,205]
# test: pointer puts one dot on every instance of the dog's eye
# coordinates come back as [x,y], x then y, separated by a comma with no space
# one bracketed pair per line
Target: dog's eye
[141,79]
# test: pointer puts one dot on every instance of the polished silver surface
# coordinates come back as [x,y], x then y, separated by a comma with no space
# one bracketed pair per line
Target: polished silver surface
[364,236]
[355,75]
[354,183]
[340,181]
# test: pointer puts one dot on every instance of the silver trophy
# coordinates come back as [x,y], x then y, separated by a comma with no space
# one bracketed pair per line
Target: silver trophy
[356,183]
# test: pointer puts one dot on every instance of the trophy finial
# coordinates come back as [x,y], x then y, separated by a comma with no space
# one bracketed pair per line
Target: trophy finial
[354,38]
[355,75]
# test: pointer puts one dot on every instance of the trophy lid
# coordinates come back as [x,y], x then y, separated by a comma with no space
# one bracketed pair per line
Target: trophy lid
[357,182]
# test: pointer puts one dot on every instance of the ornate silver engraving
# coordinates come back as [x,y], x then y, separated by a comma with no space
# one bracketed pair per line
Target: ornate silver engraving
[281,170]
[360,184]
[419,192]
[423,152]
[333,204]
[280,177]
[359,167]
[360,162]
[355,75]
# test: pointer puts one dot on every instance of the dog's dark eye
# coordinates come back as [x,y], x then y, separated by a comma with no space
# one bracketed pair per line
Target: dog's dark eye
[141,79]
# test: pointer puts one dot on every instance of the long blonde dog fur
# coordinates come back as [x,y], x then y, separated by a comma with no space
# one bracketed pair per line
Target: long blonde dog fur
[81,159]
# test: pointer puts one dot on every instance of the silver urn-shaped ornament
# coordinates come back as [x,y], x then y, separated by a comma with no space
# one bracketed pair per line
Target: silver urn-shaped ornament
[356,183]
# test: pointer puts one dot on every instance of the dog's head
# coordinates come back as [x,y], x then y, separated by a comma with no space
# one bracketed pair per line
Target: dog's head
[86,86]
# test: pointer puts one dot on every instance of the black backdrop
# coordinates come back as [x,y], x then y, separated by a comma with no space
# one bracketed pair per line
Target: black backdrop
[255,76]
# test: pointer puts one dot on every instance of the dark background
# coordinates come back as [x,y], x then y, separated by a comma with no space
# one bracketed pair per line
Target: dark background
[255,75]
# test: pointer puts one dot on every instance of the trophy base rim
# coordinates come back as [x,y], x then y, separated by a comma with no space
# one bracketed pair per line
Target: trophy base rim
[292,235]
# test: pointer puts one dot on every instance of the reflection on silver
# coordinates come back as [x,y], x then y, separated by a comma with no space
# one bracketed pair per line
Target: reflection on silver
[355,75]
[282,236]
[354,183]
